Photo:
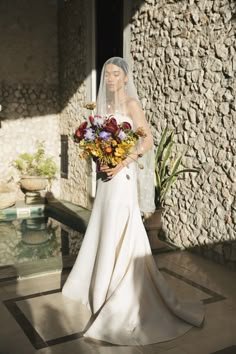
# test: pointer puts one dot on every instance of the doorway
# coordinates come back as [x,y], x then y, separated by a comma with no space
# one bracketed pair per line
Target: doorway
[109,32]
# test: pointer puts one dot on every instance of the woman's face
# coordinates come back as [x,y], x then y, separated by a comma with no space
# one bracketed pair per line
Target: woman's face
[115,77]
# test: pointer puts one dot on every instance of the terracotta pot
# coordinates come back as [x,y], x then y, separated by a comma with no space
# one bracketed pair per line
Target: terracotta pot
[33,183]
[153,227]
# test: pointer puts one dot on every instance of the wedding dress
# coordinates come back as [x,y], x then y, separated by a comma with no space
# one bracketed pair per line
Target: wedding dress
[116,277]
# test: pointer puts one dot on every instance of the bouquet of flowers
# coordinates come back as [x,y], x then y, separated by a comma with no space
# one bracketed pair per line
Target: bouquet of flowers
[106,141]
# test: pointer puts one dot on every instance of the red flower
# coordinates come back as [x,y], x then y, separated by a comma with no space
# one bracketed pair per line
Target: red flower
[111,126]
[126,125]
[83,126]
[91,119]
[79,133]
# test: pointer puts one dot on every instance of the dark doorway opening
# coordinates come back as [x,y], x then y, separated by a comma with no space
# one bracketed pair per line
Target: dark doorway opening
[109,31]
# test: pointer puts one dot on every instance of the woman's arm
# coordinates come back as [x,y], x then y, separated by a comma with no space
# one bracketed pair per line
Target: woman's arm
[139,121]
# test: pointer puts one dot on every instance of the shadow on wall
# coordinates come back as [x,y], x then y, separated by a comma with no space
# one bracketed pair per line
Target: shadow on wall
[223,252]
[46,55]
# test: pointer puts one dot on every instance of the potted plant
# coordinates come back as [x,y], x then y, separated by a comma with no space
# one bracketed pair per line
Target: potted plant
[167,171]
[36,169]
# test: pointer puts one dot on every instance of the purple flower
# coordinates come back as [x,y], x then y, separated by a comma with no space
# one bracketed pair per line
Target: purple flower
[121,135]
[89,135]
[104,135]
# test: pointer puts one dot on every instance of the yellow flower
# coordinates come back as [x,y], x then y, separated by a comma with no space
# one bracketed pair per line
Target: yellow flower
[82,143]
[94,152]
[119,152]
[90,105]
[114,143]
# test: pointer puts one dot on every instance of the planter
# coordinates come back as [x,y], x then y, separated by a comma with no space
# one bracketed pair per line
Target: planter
[33,183]
[153,226]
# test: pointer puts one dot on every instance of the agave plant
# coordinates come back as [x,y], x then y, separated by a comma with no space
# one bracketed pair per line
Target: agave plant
[166,167]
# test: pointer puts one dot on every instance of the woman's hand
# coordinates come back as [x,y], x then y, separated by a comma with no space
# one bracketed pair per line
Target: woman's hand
[112,171]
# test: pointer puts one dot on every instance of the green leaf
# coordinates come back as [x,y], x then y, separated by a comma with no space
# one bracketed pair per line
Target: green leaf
[167,166]
[36,164]
[160,147]
[165,159]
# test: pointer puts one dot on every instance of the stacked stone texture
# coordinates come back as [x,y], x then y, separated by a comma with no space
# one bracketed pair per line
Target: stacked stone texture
[28,100]
[185,65]
[72,74]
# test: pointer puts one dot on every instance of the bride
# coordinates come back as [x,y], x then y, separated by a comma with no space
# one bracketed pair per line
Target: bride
[115,275]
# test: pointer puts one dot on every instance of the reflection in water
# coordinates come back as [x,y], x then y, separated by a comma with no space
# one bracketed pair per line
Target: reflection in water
[24,240]
[39,239]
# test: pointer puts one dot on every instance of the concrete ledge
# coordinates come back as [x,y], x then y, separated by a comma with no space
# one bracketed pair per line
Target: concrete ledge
[69,214]
[63,211]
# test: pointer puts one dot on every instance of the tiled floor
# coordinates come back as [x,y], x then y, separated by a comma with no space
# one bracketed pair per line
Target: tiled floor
[36,318]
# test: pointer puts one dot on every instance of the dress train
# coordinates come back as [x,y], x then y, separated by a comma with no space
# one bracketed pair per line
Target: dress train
[116,277]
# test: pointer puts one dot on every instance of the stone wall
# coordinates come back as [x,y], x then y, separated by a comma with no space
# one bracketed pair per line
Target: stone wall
[185,65]
[72,73]
[28,80]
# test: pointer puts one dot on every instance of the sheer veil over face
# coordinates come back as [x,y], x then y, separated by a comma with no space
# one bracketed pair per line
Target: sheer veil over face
[116,87]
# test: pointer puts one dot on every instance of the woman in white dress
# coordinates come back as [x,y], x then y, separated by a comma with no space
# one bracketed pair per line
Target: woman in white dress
[115,275]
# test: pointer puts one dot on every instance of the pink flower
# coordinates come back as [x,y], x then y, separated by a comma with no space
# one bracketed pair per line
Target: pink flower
[126,126]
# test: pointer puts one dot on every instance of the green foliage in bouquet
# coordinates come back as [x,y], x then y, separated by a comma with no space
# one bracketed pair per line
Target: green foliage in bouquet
[36,164]
[166,167]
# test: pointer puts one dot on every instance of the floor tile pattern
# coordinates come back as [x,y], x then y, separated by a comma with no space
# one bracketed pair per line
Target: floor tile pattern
[36,318]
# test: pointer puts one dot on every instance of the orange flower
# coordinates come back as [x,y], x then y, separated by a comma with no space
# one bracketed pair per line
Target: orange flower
[108,150]
[97,142]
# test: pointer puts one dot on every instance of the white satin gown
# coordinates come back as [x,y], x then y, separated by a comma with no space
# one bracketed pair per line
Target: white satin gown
[116,277]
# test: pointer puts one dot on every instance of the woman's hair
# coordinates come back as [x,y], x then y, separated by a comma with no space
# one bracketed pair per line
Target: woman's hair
[119,62]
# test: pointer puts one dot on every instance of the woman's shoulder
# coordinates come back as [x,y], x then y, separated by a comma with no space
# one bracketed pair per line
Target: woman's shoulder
[133,107]
[133,103]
